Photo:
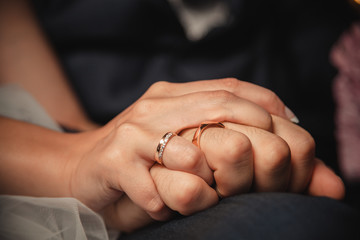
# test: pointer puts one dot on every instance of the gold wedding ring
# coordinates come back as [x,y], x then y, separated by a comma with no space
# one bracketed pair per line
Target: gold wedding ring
[161,146]
[201,129]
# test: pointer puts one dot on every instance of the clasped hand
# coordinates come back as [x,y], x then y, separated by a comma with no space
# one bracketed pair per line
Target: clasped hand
[259,150]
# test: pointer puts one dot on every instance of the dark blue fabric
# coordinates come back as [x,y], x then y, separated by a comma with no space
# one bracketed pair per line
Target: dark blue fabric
[262,216]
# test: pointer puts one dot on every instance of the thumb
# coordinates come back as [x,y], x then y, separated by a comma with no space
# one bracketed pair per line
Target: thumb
[325,182]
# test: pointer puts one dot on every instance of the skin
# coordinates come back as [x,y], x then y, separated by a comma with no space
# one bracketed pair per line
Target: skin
[111,168]
[188,194]
[98,167]
[24,46]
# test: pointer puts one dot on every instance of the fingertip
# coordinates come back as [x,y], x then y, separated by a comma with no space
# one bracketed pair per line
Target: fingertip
[326,183]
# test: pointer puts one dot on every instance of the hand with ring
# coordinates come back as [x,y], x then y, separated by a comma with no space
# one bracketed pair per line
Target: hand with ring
[275,156]
[117,157]
[242,158]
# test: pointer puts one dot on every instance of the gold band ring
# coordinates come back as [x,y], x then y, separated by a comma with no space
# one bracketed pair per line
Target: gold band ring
[161,146]
[201,129]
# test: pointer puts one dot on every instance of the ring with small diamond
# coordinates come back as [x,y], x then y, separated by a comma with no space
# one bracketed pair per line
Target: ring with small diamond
[161,146]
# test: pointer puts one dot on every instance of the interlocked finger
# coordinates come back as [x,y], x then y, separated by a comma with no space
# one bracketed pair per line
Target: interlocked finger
[272,162]
[229,155]
[182,191]
[181,155]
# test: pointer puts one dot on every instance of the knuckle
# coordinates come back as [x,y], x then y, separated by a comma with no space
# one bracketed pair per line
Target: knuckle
[159,86]
[277,154]
[144,107]
[272,101]
[191,158]
[155,206]
[122,135]
[238,147]
[127,129]
[271,98]
[221,95]
[230,83]
[303,156]
[187,193]
[305,146]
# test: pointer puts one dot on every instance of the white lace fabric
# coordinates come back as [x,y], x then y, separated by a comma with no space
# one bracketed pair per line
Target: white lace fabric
[49,218]
[41,218]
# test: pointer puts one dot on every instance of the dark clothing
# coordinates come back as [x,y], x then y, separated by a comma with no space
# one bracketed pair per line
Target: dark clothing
[262,216]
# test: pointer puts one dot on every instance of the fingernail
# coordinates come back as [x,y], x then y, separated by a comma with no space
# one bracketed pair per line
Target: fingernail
[291,115]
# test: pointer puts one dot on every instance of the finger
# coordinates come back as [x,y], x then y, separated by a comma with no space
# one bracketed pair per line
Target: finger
[229,155]
[191,109]
[254,93]
[128,172]
[325,182]
[126,216]
[181,155]
[180,112]
[271,155]
[144,129]
[183,192]
[142,191]
[149,119]
[302,147]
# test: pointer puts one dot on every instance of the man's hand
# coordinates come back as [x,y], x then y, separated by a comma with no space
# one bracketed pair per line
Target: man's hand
[242,158]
